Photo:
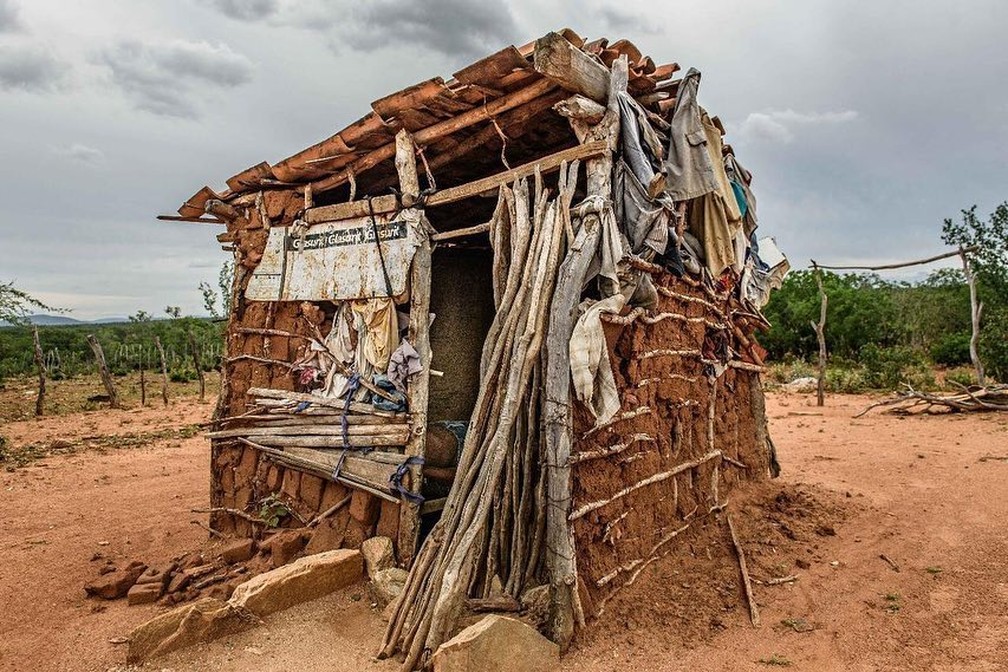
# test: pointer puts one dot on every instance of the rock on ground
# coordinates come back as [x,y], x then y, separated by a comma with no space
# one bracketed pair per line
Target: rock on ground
[201,621]
[206,619]
[378,554]
[386,585]
[302,580]
[497,644]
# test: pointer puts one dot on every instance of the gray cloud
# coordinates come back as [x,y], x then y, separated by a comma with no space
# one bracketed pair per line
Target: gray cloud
[10,17]
[81,153]
[246,10]
[165,79]
[30,68]
[780,125]
[631,23]
[450,27]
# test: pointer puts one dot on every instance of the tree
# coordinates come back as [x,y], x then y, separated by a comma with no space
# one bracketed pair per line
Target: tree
[211,297]
[985,260]
[15,304]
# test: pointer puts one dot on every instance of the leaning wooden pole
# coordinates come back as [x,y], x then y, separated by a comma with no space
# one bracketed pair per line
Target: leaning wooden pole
[820,330]
[976,311]
[164,370]
[103,370]
[561,562]
[40,365]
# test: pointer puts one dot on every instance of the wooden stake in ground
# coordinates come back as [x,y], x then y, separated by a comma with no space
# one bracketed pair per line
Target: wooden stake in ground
[40,365]
[746,583]
[164,370]
[143,387]
[820,330]
[103,370]
[976,309]
[196,362]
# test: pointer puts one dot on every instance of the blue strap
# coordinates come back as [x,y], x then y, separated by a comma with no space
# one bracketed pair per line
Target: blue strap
[395,481]
[302,406]
[352,386]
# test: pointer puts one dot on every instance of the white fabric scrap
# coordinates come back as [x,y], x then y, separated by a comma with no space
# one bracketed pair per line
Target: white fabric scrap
[591,371]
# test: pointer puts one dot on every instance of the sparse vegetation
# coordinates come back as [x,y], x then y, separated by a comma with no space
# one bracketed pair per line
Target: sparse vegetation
[776,660]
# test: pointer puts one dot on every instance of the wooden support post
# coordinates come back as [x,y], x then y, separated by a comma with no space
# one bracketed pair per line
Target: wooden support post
[164,370]
[419,336]
[976,311]
[103,370]
[820,330]
[194,351]
[143,386]
[40,365]
[561,558]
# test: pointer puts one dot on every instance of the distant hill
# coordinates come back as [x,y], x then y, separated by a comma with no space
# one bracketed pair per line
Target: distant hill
[43,320]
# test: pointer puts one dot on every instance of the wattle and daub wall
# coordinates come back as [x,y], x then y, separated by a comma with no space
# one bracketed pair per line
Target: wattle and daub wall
[241,477]
[667,459]
[676,449]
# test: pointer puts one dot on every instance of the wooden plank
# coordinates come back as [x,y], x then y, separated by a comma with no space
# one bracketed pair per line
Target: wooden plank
[419,336]
[438,131]
[381,204]
[574,70]
[194,220]
[460,233]
[341,211]
[493,182]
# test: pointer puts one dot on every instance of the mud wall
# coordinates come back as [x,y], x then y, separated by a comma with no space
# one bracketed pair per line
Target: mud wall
[241,478]
[682,440]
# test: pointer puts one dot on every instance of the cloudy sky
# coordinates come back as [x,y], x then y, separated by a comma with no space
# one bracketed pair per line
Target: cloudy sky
[865,124]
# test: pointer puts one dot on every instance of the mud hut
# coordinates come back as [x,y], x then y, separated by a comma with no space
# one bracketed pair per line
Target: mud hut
[505,320]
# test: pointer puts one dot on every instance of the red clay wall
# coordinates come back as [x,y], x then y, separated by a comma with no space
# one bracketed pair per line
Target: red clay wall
[615,540]
[240,476]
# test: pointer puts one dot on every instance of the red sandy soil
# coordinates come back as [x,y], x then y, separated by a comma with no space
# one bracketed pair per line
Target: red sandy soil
[928,492]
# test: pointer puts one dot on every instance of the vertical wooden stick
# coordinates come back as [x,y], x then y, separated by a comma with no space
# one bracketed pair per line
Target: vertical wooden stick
[40,365]
[194,351]
[820,330]
[746,583]
[419,336]
[164,370]
[103,370]
[143,386]
[976,309]
[560,552]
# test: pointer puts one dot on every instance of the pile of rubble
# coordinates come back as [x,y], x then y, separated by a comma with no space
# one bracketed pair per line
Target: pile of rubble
[209,573]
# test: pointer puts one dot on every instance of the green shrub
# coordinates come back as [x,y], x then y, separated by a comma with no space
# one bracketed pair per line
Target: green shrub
[182,375]
[951,350]
[888,368]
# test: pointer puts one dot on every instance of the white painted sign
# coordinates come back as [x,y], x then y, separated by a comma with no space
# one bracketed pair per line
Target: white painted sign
[335,261]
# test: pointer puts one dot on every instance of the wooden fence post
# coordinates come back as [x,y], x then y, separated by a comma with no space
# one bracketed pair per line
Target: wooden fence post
[820,330]
[164,370]
[199,369]
[103,370]
[40,365]
[976,310]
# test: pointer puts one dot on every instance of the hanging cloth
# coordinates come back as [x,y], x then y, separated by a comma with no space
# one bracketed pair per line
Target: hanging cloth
[381,330]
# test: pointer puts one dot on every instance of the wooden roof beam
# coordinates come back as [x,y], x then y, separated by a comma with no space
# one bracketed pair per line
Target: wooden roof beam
[569,67]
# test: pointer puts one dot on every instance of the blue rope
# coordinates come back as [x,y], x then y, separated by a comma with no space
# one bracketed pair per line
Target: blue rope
[353,384]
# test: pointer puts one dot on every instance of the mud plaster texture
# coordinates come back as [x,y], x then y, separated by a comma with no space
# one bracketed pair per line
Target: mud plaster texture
[241,477]
[614,541]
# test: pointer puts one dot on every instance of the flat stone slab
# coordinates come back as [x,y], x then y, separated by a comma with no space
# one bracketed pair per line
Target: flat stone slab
[303,580]
[300,581]
[201,621]
[497,644]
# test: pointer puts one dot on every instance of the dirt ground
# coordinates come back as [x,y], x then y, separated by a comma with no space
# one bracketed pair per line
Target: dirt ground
[929,493]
